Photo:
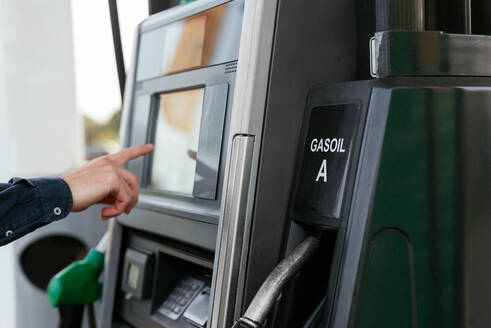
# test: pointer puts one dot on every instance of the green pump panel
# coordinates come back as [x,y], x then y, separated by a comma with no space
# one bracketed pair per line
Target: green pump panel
[398,197]
[413,252]
[406,197]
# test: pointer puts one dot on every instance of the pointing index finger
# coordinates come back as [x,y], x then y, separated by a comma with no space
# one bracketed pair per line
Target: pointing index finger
[126,154]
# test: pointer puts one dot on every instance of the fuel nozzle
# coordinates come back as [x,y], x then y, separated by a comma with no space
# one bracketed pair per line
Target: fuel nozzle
[269,291]
[78,285]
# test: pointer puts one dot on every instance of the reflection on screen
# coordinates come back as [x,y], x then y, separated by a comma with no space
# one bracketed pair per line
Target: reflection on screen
[184,45]
[176,141]
[208,38]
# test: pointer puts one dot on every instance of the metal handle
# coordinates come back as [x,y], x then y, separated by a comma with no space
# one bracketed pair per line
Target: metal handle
[231,232]
[269,291]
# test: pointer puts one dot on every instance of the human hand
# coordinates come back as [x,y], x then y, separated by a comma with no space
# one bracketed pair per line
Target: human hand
[105,181]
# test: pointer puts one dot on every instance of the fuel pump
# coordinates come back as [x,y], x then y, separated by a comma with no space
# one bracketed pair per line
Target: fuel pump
[389,168]
[287,188]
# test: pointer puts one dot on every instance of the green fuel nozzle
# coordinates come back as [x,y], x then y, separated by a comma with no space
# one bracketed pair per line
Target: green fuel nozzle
[79,282]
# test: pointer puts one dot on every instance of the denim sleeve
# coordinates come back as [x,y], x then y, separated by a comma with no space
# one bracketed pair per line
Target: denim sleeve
[26,205]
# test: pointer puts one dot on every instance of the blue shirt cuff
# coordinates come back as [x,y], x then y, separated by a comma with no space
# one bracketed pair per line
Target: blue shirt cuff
[56,197]
[30,204]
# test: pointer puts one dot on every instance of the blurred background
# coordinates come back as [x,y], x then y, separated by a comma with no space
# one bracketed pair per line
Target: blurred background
[59,105]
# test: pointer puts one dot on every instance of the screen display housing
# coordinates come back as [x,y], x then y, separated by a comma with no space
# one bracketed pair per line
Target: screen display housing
[140,114]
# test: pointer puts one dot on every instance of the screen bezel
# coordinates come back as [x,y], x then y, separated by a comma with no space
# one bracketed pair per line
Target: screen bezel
[215,100]
[151,131]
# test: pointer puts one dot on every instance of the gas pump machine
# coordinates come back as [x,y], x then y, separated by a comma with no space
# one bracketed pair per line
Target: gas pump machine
[287,188]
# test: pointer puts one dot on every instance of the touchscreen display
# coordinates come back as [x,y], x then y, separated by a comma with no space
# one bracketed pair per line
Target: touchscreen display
[176,137]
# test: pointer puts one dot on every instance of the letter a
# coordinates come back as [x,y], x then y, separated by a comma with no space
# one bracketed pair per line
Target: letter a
[322,171]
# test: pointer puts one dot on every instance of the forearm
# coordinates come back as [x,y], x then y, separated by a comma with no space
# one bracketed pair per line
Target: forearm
[29,204]
[26,205]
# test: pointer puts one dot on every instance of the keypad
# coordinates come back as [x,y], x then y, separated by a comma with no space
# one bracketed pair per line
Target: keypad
[180,297]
